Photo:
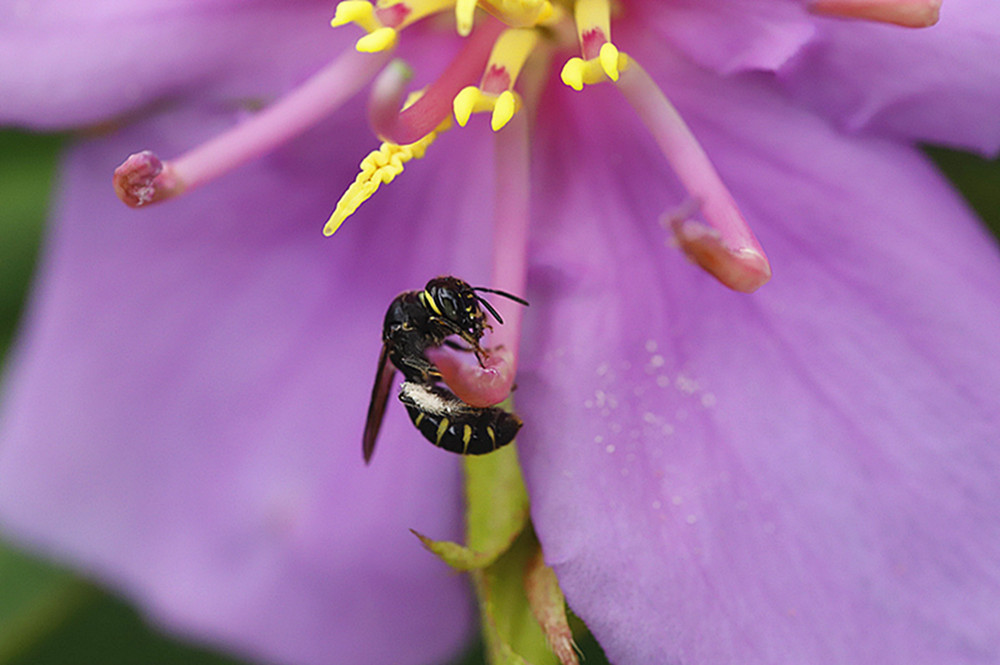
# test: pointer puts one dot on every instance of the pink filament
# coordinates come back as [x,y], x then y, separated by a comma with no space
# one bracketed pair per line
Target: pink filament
[291,115]
[736,257]
[424,115]
[489,385]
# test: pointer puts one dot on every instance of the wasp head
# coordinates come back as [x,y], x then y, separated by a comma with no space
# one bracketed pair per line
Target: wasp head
[456,301]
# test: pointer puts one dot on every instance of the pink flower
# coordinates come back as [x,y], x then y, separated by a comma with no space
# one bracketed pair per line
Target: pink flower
[803,475]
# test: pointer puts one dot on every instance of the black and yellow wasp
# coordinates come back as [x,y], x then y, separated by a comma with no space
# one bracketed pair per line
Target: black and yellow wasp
[416,321]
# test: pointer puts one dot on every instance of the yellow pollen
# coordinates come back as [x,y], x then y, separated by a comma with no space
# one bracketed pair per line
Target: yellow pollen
[379,167]
[508,56]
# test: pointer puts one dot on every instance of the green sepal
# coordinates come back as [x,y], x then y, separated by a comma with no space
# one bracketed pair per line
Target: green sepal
[511,633]
[458,556]
[497,507]
[497,511]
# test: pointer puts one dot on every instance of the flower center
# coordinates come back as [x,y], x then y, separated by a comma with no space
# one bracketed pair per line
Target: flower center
[508,47]
[497,52]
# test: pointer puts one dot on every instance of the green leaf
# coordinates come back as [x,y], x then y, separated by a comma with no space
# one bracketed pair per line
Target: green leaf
[49,616]
[27,168]
[36,598]
[976,178]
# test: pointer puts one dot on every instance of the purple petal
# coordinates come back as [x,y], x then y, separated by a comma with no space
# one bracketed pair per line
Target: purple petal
[939,84]
[730,36]
[803,475]
[63,64]
[184,415]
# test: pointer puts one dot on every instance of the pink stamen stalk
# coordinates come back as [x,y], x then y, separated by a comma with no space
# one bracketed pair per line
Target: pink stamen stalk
[424,115]
[143,178]
[906,13]
[725,247]
[485,386]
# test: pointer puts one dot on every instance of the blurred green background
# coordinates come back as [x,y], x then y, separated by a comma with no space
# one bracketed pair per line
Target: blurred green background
[50,616]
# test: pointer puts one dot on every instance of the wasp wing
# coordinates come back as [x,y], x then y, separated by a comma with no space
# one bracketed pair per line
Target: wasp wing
[376,408]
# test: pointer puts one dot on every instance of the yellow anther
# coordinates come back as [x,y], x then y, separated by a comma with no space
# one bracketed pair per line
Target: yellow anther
[361,12]
[578,72]
[473,100]
[609,60]
[465,12]
[494,92]
[601,59]
[356,11]
[468,101]
[378,168]
[504,109]
[377,40]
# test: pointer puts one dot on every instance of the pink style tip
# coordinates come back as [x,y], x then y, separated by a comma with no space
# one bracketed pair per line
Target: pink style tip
[475,385]
[744,270]
[905,13]
[143,179]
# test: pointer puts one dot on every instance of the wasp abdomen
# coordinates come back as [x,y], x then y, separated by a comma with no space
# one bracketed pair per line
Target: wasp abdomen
[450,423]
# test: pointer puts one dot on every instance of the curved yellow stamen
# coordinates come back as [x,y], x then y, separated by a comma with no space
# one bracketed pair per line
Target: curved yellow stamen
[601,59]
[380,36]
[495,91]
[378,168]
[578,72]
[506,106]
[376,41]
[471,100]
[361,12]
[609,58]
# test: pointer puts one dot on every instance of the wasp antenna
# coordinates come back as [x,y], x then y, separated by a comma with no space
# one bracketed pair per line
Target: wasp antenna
[509,296]
[489,307]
